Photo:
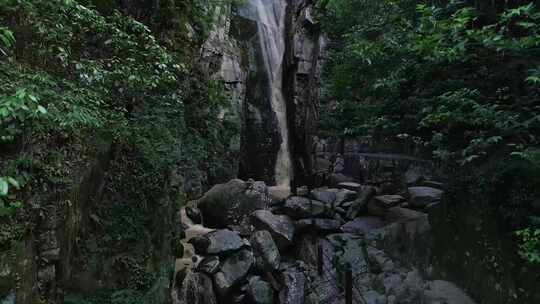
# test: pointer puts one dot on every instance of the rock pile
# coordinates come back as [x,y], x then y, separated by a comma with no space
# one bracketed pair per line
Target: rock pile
[296,249]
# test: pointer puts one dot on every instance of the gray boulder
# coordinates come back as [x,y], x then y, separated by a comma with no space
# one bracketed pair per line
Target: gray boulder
[218,242]
[281,227]
[325,195]
[259,291]
[301,207]
[319,224]
[234,269]
[420,197]
[232,202]
[266,252]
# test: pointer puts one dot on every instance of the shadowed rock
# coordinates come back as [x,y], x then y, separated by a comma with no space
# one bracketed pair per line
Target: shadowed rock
[362,225]
[360,204]
[209,265]
[280,227]
[233,270]
[350,186]
[231,203]
[319,224]
[445,292]
[327,196]
[388,201]
[420,197]
[259,291]
[294,285]
[266,252]
[217,242]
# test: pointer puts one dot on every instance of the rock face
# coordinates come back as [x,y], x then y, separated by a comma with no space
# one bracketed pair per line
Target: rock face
[281,227]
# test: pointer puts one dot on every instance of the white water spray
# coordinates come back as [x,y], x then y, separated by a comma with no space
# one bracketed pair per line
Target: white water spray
[270,18]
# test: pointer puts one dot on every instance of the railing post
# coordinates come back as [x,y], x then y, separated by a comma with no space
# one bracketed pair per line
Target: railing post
[348,284]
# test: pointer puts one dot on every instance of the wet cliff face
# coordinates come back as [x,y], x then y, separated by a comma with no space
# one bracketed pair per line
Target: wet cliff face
[304,61]
[269,59]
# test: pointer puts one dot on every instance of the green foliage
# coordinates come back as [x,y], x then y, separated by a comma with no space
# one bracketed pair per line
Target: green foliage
[16,111]
[78,76]
[6,40]
[436,74]
[77,72]
[456,80]
[8,204]
[529,248]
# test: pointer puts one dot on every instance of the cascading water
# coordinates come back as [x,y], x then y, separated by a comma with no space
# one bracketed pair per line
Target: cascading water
[270,18]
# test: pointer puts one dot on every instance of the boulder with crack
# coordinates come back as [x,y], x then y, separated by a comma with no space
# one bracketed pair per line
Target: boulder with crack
[232,271]
[281,227]
[266,253]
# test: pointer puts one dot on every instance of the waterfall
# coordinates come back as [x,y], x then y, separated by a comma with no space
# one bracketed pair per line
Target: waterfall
[270,18]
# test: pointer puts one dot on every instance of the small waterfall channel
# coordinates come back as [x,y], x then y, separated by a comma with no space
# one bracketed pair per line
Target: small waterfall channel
[270,18]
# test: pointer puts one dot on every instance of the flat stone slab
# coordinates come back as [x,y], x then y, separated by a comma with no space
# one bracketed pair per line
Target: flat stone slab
[218,242]
[350,186]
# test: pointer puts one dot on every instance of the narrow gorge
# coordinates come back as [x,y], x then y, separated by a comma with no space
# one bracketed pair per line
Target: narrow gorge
[192,152]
